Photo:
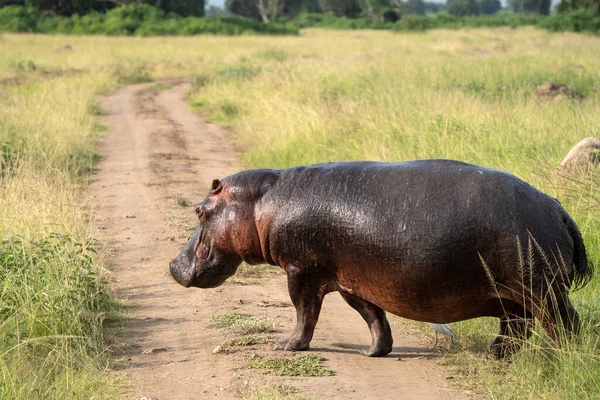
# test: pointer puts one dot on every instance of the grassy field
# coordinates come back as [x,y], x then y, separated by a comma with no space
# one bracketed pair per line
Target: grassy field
[325,95]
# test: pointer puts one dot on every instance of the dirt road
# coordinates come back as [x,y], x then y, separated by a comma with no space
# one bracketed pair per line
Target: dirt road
[156,154]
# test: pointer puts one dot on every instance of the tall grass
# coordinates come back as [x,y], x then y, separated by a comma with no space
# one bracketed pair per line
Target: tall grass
[53,296]
[466,95]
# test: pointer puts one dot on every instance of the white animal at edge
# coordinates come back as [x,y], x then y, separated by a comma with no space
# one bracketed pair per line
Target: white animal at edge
[444,329]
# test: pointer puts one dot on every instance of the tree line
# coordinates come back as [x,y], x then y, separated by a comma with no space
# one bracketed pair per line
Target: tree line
[184,8]
[570,14]
[392,10]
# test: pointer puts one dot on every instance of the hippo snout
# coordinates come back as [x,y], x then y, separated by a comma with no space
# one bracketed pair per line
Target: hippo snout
[183,267]
[178,272]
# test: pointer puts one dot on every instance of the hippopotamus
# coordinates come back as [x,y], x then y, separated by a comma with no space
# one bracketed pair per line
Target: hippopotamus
[439,241]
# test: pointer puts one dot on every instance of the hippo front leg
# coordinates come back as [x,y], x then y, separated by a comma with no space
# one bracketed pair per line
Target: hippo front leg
[306,292]
[381,333]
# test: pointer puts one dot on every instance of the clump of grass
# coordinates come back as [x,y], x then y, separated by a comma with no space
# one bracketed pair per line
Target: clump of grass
[243,324]
[159,87]
[229,109]
[200,81]
[307,365]
[131,73]
[24,66]
[275,54]
[247,341]
[254,274]
[53,305]
[183,202]
[239,73]
[278,392]
[95,109]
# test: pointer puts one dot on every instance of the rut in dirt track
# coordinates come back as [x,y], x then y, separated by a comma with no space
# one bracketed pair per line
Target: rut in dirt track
[156,152]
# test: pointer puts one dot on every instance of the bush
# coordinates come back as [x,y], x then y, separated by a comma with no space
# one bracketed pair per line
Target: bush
[18,19]
[576,21]
[135,19]
[309,20]
[415,23]
[448,21]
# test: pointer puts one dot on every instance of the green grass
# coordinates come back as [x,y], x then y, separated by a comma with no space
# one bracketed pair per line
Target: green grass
[279,392]
[247,341]
[183,202]
[133,19]
[159,87]
[254,274]
[307,365]
[54,299]
[53,306]
[243,324]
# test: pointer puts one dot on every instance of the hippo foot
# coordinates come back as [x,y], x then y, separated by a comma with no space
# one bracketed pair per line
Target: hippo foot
[291,345]
[502,347]
[377,351]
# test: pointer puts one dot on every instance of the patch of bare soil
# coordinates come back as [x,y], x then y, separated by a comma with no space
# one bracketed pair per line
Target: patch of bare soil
[156,155]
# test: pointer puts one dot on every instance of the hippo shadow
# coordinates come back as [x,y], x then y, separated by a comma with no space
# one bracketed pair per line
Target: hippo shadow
[402,352]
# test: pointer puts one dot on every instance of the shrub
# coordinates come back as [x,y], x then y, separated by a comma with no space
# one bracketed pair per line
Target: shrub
[414,23]
[134,19]
[576,21]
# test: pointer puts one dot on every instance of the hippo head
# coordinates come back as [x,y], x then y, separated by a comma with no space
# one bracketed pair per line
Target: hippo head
[226,236]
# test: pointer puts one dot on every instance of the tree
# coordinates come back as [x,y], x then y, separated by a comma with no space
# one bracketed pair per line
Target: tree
[243,8]
[341,8]
[373,8]
[531,6]
[415,7]
[185,8]
[431,7]
[573,5]
[462,8]
[489,7]
[311,6]
[263,10]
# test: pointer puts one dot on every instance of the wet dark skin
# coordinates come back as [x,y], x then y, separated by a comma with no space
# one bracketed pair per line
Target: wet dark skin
[430,240]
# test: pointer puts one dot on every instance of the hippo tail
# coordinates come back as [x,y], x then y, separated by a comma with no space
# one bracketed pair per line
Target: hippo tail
[584,270]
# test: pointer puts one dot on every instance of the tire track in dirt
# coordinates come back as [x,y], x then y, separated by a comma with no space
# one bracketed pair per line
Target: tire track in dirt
[156,152]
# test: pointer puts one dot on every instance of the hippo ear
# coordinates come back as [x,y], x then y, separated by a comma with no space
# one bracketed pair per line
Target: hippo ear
[216,187]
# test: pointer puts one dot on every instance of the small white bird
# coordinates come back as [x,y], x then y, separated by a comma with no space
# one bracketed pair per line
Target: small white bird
[444,329]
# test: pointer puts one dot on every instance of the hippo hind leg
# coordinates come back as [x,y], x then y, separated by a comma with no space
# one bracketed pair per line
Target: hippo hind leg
[381,332]
[515,328]
[557,315]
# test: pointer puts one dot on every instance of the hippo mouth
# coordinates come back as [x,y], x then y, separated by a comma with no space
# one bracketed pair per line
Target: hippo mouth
[199,266]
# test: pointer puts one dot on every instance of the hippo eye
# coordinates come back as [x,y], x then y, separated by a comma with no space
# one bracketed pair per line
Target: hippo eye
[199,211]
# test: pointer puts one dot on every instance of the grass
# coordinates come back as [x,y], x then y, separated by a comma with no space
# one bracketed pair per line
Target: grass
[254,274]
[307,365]
[159,87]
[322,96]
[54,300]
[247,341]
[183,202]
[278,392]
[243,324]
